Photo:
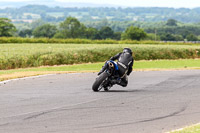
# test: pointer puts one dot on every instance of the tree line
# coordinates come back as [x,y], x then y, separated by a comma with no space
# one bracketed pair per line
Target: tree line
[150,14]
[71,27]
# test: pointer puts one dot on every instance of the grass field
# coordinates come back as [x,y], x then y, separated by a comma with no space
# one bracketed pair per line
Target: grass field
[33,55]
[12,50]
[95,67]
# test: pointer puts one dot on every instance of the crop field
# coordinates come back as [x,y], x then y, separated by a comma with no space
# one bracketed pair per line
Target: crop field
[33,55]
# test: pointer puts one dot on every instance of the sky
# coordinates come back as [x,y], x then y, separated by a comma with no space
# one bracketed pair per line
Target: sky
[133,3]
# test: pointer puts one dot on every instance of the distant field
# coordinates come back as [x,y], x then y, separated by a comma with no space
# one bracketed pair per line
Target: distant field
[56,14]
[34,55]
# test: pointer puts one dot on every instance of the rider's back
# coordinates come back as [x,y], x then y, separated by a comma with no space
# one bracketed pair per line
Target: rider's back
[125,58]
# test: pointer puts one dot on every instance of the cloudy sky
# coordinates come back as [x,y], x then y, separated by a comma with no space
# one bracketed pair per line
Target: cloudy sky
[133,3]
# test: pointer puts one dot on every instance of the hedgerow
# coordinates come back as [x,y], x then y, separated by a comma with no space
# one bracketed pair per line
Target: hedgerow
[33,55]
[85,41]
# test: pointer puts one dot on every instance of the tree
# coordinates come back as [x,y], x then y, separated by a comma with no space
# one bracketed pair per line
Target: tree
[184,32]
[171,22]
[37,23]
[171,37]
[152,36]
[106,32]
[25,33]
[167,37]
[6,27]
[71,28]
[134,33]
[45,30]
[117,35]
[92,33]
[179,38]
[103,23]
[192,37]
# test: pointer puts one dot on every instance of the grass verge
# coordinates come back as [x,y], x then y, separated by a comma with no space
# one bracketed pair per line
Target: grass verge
[95,67]
[190,129]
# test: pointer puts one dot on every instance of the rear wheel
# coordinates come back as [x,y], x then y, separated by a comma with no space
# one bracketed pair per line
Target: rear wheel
[98,84]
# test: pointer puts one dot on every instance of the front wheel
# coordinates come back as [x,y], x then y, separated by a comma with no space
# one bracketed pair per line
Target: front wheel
[98,84]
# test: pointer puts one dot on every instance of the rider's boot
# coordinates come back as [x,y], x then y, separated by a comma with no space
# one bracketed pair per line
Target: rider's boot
[123,84]
[107,87]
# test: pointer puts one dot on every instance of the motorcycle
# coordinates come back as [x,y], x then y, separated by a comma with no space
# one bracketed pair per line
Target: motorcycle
[106,78]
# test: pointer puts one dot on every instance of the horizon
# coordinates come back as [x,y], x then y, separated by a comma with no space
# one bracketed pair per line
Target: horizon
[109,3]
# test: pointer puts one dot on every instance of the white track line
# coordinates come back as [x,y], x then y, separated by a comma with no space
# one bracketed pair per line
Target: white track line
[6,81]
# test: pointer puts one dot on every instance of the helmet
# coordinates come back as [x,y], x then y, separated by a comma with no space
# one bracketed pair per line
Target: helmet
[127,50]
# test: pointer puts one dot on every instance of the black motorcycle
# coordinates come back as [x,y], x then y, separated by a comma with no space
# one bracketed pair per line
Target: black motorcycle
[104,80]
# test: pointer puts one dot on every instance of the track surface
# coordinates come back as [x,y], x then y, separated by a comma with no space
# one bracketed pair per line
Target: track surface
[153,102]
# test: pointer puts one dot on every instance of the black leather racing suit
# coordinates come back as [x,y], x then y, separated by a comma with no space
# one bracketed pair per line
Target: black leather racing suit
[125,64]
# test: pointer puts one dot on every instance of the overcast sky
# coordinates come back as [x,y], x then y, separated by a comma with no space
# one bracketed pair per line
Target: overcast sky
[134,3]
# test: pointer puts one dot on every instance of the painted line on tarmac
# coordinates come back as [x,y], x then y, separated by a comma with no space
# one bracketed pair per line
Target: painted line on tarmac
[6,81]
[74,72]
[38,76]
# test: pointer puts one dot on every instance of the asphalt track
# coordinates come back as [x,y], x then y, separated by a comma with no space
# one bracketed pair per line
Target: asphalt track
[153,102]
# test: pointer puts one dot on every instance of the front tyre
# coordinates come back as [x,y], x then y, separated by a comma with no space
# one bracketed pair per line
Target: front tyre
[97,86]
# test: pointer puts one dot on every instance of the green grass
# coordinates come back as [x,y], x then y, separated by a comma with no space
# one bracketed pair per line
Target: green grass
[138,65]
[27,49]
[190,129]
[168,64]
[95,67]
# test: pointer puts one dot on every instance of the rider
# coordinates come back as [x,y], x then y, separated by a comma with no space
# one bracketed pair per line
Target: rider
[125,64]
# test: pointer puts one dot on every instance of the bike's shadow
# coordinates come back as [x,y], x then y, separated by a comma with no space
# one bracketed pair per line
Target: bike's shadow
[127,91]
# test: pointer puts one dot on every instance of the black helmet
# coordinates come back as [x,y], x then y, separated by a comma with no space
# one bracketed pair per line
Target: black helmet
[127,50]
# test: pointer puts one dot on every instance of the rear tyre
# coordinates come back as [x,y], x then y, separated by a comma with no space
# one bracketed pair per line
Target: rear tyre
[98,84]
